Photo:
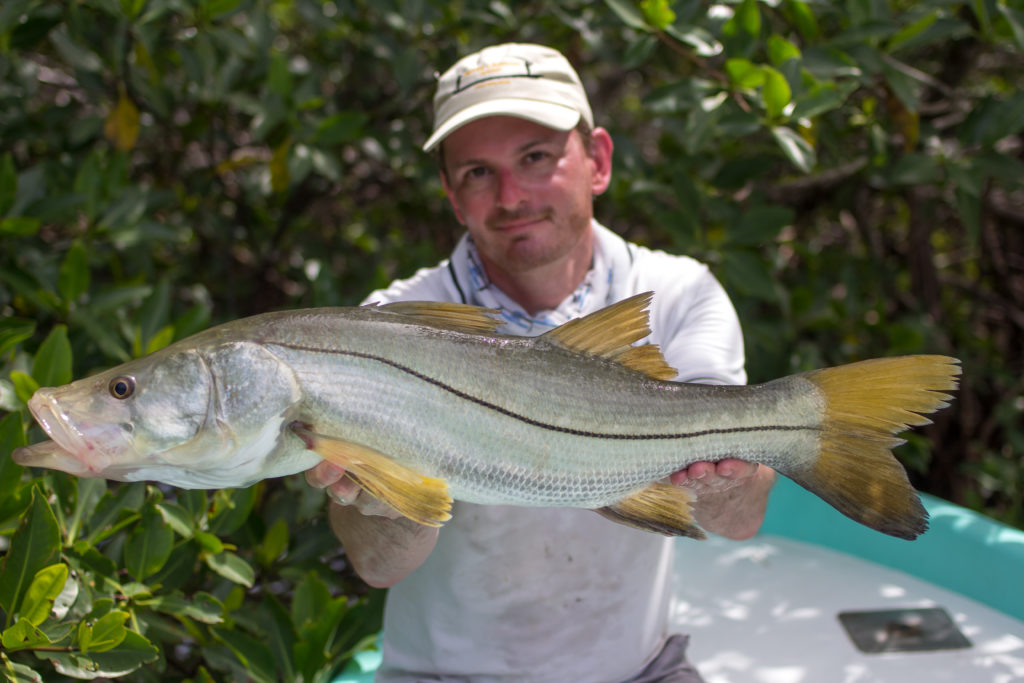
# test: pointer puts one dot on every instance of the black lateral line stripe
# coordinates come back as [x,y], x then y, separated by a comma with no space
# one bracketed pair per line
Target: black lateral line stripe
[537,423]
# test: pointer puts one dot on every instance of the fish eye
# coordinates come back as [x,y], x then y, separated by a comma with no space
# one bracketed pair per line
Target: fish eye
[122,387]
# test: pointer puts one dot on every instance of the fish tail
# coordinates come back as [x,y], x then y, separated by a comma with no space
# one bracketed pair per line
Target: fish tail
[866,405]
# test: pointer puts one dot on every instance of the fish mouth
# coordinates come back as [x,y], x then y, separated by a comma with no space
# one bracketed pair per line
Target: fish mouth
[50,455]
[68,451]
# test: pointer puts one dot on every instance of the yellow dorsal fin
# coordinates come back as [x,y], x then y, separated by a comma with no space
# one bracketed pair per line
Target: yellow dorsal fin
[611,332]
[422,499]
[447,315]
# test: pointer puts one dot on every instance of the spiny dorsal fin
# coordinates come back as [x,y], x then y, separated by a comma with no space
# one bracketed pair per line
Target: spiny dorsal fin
[611,332]
[447,315]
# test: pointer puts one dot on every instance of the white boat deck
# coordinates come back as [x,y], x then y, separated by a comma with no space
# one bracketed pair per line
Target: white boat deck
[765,611]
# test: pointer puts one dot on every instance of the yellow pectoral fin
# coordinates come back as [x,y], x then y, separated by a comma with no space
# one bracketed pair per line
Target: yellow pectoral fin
[422,499]
[661,508]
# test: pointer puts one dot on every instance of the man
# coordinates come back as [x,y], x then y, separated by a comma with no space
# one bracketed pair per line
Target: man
[540,594]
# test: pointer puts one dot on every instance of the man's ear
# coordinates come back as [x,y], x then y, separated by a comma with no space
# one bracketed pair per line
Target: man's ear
[451,197]
[601,155]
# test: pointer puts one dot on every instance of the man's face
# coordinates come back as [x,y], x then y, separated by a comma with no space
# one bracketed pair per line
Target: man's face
[522,190]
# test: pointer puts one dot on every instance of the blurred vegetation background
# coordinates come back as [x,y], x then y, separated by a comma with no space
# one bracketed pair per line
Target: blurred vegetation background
[852,171]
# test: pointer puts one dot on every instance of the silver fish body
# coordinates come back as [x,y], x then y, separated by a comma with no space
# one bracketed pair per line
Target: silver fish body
[556,420]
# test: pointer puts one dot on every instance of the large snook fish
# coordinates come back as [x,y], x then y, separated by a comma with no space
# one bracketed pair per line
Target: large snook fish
[423,402]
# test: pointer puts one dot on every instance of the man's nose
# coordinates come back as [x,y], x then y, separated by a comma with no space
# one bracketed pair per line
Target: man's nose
[510,190]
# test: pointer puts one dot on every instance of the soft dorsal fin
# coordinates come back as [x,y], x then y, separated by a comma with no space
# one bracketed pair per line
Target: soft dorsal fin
[611,332]
[447,315]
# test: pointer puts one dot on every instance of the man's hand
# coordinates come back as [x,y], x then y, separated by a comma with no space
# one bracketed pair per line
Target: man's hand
[343,491]
[382,545]
[731,495]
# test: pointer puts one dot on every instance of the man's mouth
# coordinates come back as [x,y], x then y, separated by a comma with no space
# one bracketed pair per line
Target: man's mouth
[514,223]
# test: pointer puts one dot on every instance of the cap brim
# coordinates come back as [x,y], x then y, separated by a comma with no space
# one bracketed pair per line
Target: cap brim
[548,114]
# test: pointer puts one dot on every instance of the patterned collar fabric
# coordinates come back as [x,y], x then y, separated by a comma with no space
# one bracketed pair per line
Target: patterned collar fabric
[598,289]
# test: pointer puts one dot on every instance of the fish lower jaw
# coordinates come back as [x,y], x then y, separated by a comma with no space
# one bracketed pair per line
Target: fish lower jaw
[51,455]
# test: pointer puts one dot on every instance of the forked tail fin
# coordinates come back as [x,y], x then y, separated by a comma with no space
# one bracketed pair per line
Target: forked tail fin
[867,405]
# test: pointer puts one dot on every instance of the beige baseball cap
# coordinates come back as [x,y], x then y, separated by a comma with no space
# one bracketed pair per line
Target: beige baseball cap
[527,81]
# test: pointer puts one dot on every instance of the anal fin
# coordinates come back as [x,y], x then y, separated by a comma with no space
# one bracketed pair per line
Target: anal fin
[661,508]
[422,499]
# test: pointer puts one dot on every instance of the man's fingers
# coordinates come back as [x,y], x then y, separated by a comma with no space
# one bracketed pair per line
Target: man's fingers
[714,474]
[344,491]
[324,474]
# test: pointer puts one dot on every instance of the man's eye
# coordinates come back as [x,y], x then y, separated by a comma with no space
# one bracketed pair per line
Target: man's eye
[535,157]
[476,172]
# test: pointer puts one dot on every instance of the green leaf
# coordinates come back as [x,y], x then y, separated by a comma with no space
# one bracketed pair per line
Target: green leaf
[90,492]
[15,672]
[254,655]
[202,607]
[279,633]
[1015,18]
[24,385]
[12,435]
[107,633]
[232,567]
[19,226]
[231,507]
[42,592]
[309,600]
[122,124]
[781,50]
[748,273]
[915,169]
[209,542]
[23,635]
[747,18]
[993,119]
[118,504]
[700,39]
[628,14]
[52,364]
[279,75]
[775,93]
[911,30]
[177,517]
[820,99]
[73,279]
[658,13]
[85,319]
[744,74]
[133,652]
[161,339]
[804,19]
[341,128]
[29,287]
[33,546]
[180,568]
[149,545]
[8,183]
[796,149]
[905,86]
[154,316]
[275,542]
[760,225]
[13,331]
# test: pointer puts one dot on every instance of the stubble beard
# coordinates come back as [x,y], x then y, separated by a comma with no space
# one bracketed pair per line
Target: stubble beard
[532,250]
